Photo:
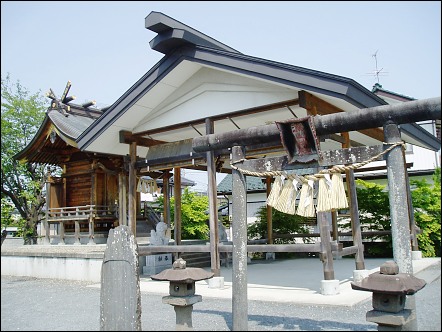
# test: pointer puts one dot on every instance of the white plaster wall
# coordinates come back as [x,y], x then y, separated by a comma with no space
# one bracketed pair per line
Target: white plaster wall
[82,269]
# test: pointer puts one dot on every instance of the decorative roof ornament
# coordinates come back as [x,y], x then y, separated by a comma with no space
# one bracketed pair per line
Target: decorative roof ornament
[61,104]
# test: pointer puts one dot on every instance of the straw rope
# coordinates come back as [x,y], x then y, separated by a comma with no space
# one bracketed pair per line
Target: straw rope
[331,193]
[317,176]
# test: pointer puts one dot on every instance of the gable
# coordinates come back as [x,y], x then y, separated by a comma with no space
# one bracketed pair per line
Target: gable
[199,79]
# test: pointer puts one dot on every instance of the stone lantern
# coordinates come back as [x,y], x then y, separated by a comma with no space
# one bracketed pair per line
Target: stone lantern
[182,290]
[389,289]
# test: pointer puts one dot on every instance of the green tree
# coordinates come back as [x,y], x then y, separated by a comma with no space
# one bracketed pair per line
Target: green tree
[374,214]
[282,223]
[426,203]
[22,183]
[194,215]
[374,211]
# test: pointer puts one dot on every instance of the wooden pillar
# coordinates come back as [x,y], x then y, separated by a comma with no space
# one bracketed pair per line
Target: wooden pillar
[326,252]
[335,230]
[77,232]
[269,212]
[91,229]
[45,224]
[166,189]
[138,200]
[61,233]
[122,210]
[94,183]
[239,250]
[177,207]
[93,197]
[213,213]
[354,211]
[132,203]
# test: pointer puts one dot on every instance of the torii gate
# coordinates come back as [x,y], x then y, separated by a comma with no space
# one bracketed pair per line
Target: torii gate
[388,117]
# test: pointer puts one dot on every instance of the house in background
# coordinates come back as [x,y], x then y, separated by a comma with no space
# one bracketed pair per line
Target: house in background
[421,158]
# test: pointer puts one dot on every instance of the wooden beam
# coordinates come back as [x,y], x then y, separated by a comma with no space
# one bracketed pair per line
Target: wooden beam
[326,158]
[407,112]
[88,103]
[247,111]
[318,106]
[65,92]
[127,137]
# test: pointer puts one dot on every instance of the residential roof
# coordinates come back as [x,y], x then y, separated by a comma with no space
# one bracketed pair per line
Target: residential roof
[380,91]
[253,184]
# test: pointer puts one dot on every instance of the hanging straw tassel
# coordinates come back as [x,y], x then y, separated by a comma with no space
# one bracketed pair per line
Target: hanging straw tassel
[284,198]
[154,187]
[306,207]
[144,185]
[338,195]
[139,185]
[291,204]
[302,196]
[273,198]
[309,201]
[324,194]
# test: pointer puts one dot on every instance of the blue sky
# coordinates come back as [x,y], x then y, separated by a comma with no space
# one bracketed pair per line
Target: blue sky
[103,47]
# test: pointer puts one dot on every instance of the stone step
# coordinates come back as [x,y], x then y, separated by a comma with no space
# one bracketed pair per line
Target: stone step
[196,259]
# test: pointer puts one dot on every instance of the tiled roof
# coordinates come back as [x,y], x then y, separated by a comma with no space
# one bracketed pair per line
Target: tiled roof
[71,125]
[253,184]
[378,88]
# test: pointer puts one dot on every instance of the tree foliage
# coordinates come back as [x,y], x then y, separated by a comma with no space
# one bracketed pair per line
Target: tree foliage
[194,215]
[426,203]
[374,214]
[22,183]
[374,211]
[282,223]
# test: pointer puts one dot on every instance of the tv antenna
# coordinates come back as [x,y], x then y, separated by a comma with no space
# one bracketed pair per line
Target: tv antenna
[377,72]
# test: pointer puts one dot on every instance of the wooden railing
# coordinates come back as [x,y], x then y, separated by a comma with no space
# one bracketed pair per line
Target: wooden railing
[77,218]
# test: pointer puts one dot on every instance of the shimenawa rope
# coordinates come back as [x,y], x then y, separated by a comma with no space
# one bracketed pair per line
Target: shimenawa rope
[331,192]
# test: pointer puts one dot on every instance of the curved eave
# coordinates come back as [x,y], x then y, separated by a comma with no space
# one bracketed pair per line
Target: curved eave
[36,141]
[297,77]
[41,150]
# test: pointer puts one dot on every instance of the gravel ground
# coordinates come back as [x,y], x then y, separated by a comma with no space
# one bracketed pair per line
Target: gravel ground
[31,304]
